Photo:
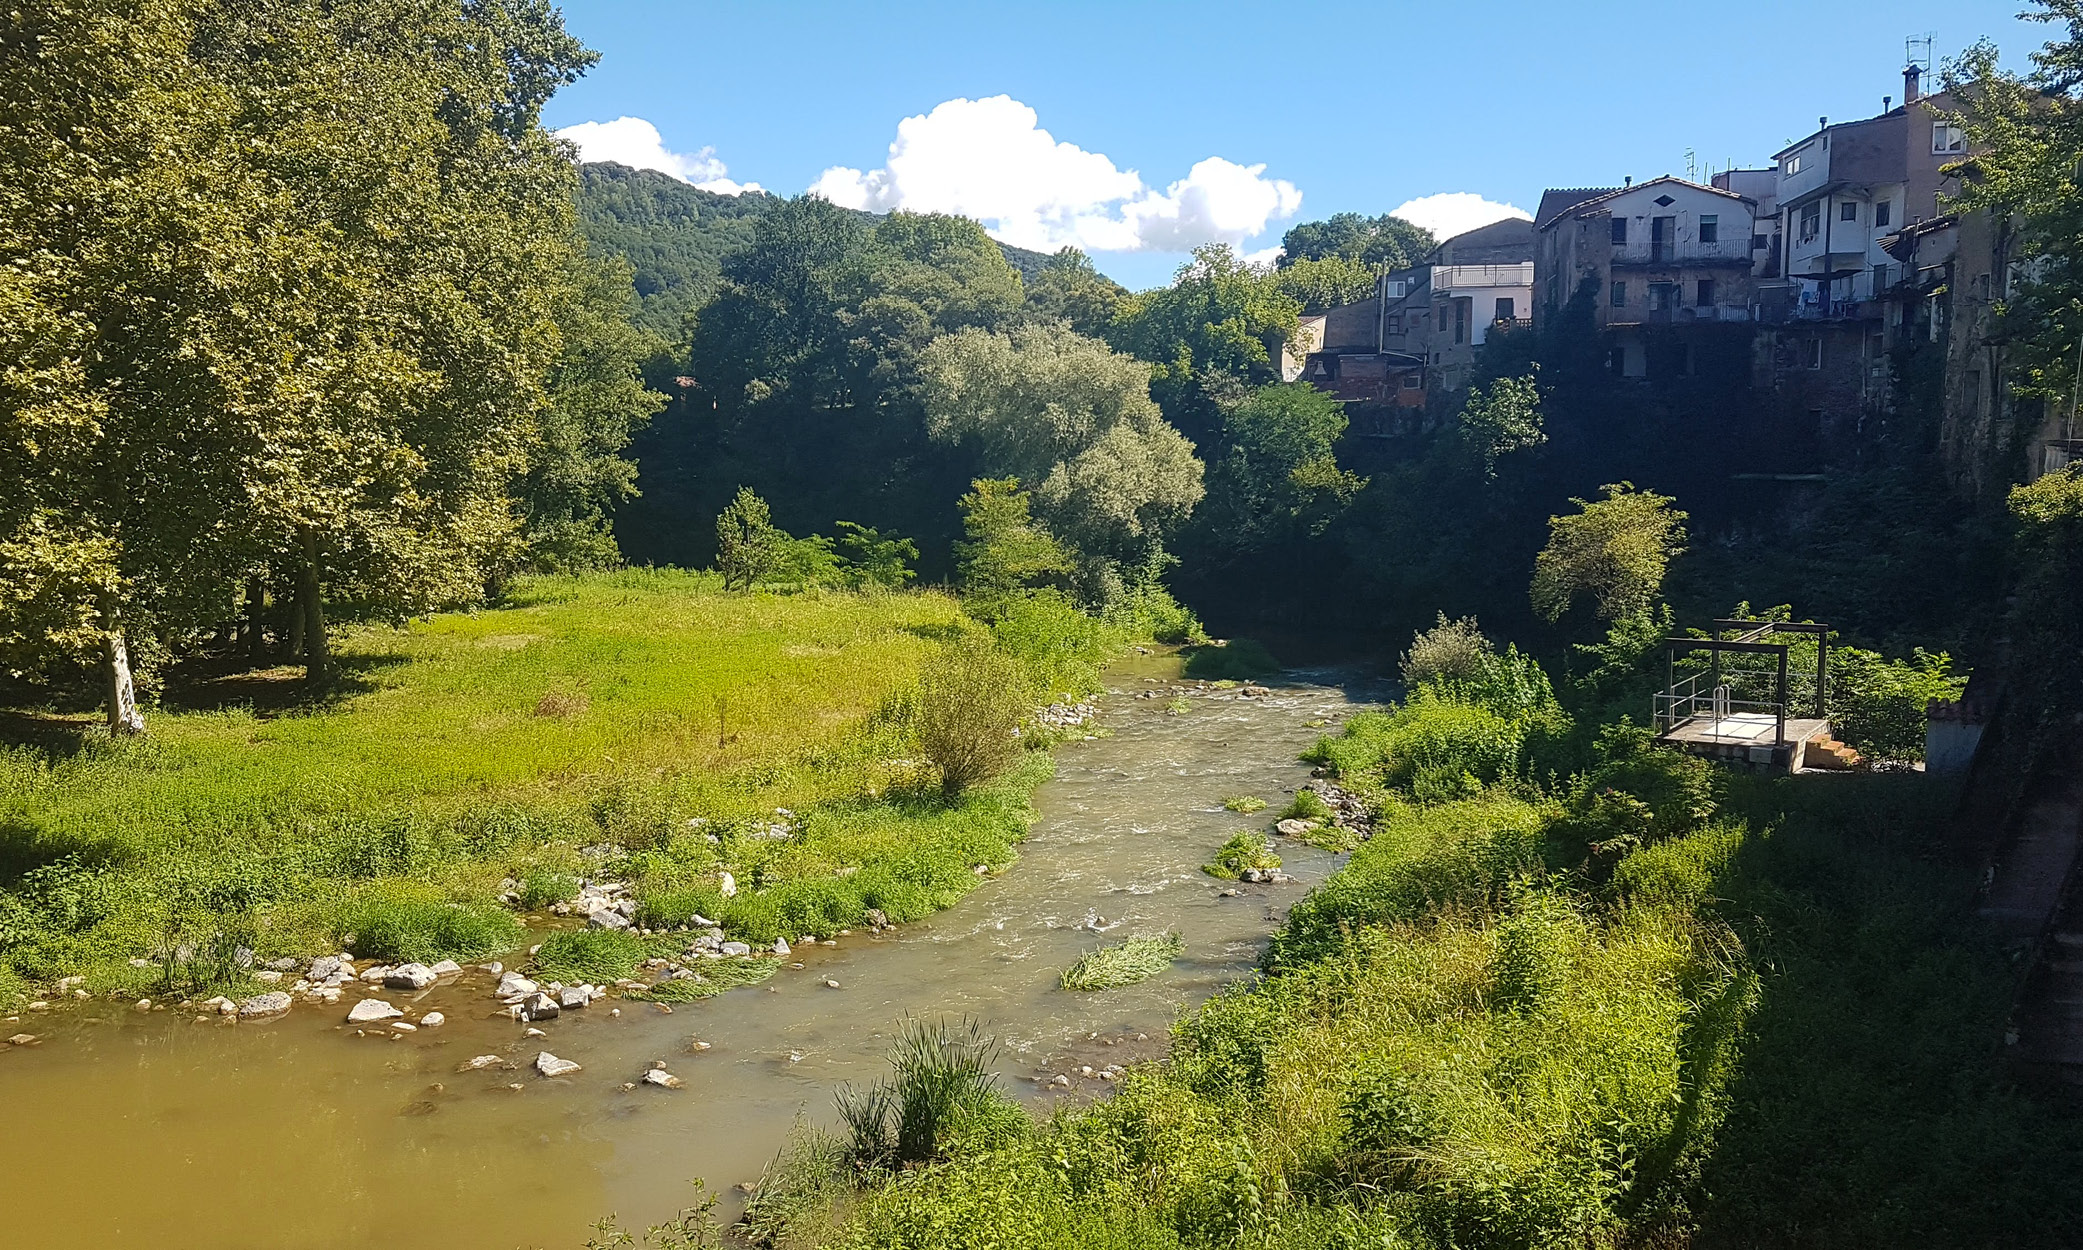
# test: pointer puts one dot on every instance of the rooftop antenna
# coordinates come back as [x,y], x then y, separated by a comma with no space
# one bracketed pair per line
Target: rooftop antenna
[1692,165]
[1916,50]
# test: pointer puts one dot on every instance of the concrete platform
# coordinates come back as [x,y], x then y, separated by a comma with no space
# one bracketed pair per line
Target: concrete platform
[1747,738]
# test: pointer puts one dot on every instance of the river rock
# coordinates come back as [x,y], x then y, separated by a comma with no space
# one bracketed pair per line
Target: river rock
[540,1006]
[781,946]
[727,884]
[876,919]
[446,967]
[23,1039]
[550,1065]
[267,976]
[262,1005]
[323,968]
[736,948]
[663,1079]
[481,1062]
[607,918]
[372,1009]
[433,1020]
[514,985]
[409,977]
[574,996]
[1294,826]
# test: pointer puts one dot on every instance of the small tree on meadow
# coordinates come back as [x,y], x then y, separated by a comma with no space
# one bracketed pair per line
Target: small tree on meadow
[1007,550]
[1616,550]
[972,700]
[749,546]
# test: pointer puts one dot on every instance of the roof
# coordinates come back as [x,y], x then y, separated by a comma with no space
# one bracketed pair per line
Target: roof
[1937,101]
[1556,201]
[1512,235]
[1619,191]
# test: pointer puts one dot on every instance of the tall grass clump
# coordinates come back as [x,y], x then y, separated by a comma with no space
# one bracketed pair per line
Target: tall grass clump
[940,1078]
[400,921]
[971,702]
[590,955]
[1243,852]
[1110,967]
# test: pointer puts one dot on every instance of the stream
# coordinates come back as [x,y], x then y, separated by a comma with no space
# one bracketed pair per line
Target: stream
[152,1130]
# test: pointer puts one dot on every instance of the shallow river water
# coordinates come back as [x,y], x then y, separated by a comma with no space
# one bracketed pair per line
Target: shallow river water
[127,1130]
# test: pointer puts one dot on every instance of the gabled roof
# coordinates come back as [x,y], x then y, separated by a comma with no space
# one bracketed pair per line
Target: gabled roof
[1556,201]
[1639,186]
[1505,241]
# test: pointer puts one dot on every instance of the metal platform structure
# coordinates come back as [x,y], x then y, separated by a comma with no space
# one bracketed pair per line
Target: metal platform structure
[1702,712]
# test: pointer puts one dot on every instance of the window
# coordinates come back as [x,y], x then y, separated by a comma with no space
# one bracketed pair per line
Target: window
[1661,296]
[1815,353]
[1706,293]
[1410,381]
[1793,165]
[1505,309]
[1620,230]
[1710,228]
[1620,294]
[1848,211]
[1759,243]
[1880,280]
[1395,324]
[1883,212]
[1397,288]
[1947,139]
[1811,221]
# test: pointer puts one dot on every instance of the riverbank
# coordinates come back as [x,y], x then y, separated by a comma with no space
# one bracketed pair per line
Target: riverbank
[414,1152]
[741,760]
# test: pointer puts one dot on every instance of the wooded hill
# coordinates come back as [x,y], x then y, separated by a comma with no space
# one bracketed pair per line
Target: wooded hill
[675,236]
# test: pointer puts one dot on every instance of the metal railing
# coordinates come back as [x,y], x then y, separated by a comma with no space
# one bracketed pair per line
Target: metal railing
[1703,696]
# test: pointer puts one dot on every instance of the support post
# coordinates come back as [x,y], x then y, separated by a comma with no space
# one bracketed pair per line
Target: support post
[1822,673]
[1780,740]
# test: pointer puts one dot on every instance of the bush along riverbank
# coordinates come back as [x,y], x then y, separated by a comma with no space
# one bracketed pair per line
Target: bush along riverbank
[1645,1002]
[639,751]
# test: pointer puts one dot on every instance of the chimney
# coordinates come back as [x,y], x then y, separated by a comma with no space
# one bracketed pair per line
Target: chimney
[1887,102]
[1627,180]
[1822,123]
[1912,77]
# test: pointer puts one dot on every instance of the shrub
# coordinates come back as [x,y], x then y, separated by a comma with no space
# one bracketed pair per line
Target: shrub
[1239,659]
[873,560]
[1435,749]
[542,887]
[972,700]
[670,909]
[1879,706]
[589,955]
[1453,650]
[1137,959]
[748,544]
[1307,805]
[1060,646]
[941,1073]
[1243,852]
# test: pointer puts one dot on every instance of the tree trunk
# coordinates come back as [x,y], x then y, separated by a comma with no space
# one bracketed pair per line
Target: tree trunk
[310,614]
[124,719]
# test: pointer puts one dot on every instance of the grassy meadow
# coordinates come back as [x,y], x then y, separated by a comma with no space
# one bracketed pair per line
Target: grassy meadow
[642,724]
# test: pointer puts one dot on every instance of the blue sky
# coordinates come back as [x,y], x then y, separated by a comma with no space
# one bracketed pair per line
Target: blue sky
[1162,113]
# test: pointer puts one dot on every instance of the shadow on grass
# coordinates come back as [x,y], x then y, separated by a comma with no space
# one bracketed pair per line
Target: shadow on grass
[1870,1105]
[215,683]
[950,632]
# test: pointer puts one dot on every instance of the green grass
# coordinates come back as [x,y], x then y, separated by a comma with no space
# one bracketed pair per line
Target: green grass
[1137,959]
[392,808]
[711,977]
[575,955]
[1244,804]
[1243,851]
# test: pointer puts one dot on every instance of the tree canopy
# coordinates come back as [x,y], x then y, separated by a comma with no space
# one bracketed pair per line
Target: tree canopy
[1380,243]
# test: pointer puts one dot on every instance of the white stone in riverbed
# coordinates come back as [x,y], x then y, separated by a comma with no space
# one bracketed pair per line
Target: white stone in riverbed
[534,1033]
[736,948]
[404,1026]
[376,973]
[550,1065]
[372,1009]
[574,996]
[540,1006]
[663,1079]
[22,1039]
[410,977]
[727,885]
[433,1020]
[481,1062]
[270,1004]
[514,985]
[445,968]
[781,946]
[323,967]
[495,967]
[268,976]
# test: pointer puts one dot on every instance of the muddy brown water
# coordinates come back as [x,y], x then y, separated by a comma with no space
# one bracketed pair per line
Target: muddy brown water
[132,1130]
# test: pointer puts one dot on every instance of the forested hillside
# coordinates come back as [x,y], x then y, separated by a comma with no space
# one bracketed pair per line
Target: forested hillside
[675,236]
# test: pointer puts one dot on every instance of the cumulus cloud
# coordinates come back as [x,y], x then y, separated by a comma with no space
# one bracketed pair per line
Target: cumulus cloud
[1455,212]
[990,159]
[635,142]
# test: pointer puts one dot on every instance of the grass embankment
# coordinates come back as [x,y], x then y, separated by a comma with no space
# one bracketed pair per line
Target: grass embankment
[640,725]
[1654,1003]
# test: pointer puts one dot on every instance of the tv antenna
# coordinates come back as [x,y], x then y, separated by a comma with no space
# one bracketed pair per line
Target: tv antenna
[1916,50]
[1692,165]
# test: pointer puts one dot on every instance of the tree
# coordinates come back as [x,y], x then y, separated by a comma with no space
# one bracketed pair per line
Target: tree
[1380,243]
[1072,419]
[1279,473]
[1007,551]
[971,702]
[749,546]
[873,560]
[1615,549]
[1069,289]
[1218,327]
[1330,282]
[1502,418]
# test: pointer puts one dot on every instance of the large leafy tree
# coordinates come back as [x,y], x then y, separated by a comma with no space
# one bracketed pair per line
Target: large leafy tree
[1218,328]
[1613,550]
[283,280]
[1073,421]
[1380,243]
[1278,476]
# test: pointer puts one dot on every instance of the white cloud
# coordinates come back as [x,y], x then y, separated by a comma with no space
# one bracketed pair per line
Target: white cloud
[635,142]
[1455,212]
[990,160]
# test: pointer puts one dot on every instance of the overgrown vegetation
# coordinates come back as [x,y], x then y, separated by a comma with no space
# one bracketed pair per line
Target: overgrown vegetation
[1244,852]
[1124,963]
